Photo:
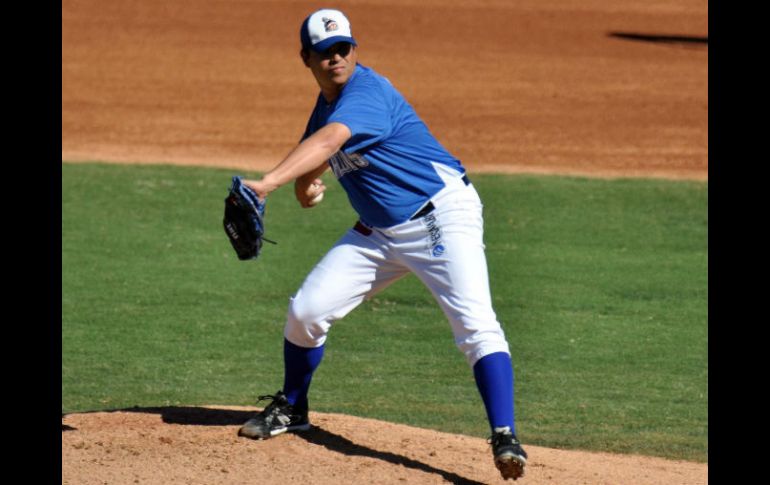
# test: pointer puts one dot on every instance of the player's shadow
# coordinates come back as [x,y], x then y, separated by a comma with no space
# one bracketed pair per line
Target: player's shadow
[196,416]
[184,415]
[188,415]
[340,444]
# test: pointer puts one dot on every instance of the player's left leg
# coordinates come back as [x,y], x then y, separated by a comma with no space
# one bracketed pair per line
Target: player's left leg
[356,268]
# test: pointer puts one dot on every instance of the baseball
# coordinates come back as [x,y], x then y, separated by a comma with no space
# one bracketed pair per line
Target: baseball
[318,198]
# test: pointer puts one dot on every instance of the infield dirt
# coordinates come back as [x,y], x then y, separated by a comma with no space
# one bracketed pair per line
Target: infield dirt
[604,88]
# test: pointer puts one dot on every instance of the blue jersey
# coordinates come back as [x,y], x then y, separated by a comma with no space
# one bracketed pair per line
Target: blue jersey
[386,167]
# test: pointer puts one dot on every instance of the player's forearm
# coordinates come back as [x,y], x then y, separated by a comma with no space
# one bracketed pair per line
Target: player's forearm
[309,156]
[309,177]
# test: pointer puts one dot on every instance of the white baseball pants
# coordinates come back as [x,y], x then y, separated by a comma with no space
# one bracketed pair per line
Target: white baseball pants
[444,249]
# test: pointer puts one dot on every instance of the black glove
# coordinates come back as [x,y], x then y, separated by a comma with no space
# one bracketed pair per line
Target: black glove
[244,220]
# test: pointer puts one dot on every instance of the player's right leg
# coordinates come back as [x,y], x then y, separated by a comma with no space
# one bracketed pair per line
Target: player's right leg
[457,276]
[354,269]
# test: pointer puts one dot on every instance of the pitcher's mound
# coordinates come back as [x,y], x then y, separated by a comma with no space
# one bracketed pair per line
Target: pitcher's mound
[199,445]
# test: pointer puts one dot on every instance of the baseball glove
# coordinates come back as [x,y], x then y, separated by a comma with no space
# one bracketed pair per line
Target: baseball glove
[244,220]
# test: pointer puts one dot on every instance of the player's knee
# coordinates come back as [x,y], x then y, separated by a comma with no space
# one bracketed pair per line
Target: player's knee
[305,326]
[306,308]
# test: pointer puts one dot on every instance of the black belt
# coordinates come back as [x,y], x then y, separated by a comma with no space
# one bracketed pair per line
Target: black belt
[428,208]
[362,228]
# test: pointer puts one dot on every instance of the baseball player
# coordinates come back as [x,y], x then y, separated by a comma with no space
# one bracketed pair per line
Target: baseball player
[419,213]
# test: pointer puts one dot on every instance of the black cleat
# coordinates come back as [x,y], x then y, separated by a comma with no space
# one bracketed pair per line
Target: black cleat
[278,417]
[510,457]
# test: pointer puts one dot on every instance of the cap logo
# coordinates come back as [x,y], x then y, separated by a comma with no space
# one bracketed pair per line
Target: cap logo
[330,24]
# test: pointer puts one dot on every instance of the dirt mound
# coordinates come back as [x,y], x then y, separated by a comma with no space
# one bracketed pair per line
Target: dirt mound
[199,445]
[597,87]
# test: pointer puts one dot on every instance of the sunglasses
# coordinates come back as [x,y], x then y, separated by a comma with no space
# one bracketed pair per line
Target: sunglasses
[341,48]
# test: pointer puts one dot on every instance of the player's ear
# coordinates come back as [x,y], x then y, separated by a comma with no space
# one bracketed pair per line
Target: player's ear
[305,55]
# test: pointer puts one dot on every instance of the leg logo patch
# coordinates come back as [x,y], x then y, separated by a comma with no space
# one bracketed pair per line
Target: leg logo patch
[434,235]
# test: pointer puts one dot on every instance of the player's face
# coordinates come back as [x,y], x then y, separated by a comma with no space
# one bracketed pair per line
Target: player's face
[333,67]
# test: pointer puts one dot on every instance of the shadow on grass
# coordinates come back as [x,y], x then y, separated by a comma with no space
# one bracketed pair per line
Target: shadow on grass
[198,416]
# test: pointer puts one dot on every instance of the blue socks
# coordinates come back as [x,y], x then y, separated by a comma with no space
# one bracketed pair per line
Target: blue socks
[494,378]
[493,374]
[299,365]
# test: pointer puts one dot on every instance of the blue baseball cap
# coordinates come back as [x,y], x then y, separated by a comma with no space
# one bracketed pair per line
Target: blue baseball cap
[324,28]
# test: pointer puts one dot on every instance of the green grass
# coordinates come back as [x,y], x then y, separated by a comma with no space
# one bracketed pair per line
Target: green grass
[601,286]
